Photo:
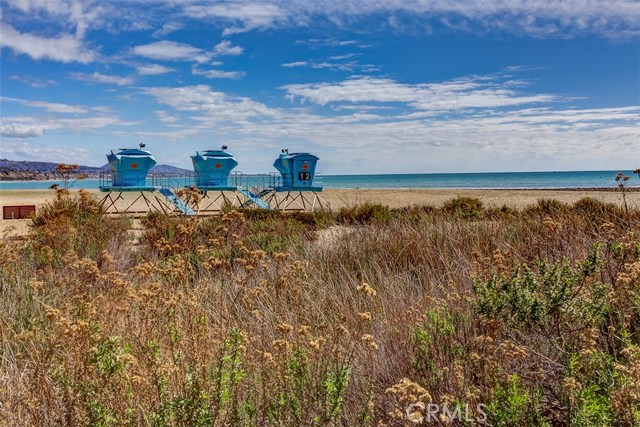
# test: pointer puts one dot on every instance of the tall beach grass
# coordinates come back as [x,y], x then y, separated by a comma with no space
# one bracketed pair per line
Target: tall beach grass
[366,316]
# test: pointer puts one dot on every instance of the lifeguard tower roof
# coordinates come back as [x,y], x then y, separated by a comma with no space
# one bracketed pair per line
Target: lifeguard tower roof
[129,167]
[212,169]
[297,171]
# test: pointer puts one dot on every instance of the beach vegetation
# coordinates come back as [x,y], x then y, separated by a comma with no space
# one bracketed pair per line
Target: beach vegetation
[464,207]
[366,316]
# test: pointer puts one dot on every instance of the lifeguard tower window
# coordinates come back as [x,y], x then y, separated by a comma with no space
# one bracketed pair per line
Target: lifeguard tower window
[304,176]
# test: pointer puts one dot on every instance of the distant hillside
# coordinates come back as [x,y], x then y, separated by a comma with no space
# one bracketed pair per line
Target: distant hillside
[20,170]
[20,165]
[168,169]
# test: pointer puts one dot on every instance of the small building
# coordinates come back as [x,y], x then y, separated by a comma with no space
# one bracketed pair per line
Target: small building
[212,169]
[297,170]
[129,167]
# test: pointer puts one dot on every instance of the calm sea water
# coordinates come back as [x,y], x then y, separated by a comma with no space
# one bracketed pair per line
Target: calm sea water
[497,180]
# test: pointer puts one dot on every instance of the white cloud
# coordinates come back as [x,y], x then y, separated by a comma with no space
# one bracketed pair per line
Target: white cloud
[537,18]
[225,48]
[296,64]
[316,43]
[174,51]
[342,57]
[168,50]
[342,66]
[167,28]
[153,69]
[64,48]
[51,107]
[210,106]
[33,81]
[165,117]
[17,130]
[64,13]
[54,107]
[97,77]
[217,74]
[478,92]
[251,15]
[69,124]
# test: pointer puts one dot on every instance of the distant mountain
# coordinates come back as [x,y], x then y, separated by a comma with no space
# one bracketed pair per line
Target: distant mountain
[168,169]
[19,170]
[21,165]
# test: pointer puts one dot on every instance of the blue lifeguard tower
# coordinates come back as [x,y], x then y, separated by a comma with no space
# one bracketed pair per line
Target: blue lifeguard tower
[129,173]
[212,187]
[212,169]
[298,185]
[297,171]
[129,169]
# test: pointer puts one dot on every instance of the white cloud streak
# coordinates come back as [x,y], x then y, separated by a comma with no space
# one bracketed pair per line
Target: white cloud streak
[537,18]
[97,77]
[217,74]
[51,107]
[64,48]
[342,66]
[478,92]
[153,69]
[168,50]
[17,130]
[33,81]
[216,105]
[226,48]
[250,15]
[174,51]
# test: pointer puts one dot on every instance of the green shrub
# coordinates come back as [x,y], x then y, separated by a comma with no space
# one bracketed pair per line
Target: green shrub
[364,214]
[513,405]
[549,296]
[464,207]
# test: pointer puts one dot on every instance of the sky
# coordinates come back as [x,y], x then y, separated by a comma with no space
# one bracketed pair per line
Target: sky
[369,86]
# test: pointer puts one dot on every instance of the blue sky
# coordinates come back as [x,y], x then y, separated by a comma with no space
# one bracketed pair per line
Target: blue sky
[369,86]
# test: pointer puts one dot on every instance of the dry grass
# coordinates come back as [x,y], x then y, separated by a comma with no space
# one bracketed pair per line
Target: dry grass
[249,319]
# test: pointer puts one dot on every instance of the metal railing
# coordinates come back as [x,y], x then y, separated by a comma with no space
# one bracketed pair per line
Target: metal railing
[255,183]
[158,180]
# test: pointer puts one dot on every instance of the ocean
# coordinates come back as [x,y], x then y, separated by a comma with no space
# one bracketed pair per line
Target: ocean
[487,180]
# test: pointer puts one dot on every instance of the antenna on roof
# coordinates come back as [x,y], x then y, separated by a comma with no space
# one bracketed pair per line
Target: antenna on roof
[224,147]
[142,145]
[285,150]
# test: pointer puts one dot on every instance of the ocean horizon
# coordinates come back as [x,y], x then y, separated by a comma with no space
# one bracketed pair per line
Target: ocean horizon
[467,180]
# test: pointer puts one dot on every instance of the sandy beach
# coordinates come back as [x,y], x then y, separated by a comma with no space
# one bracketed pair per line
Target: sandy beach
[350,197]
